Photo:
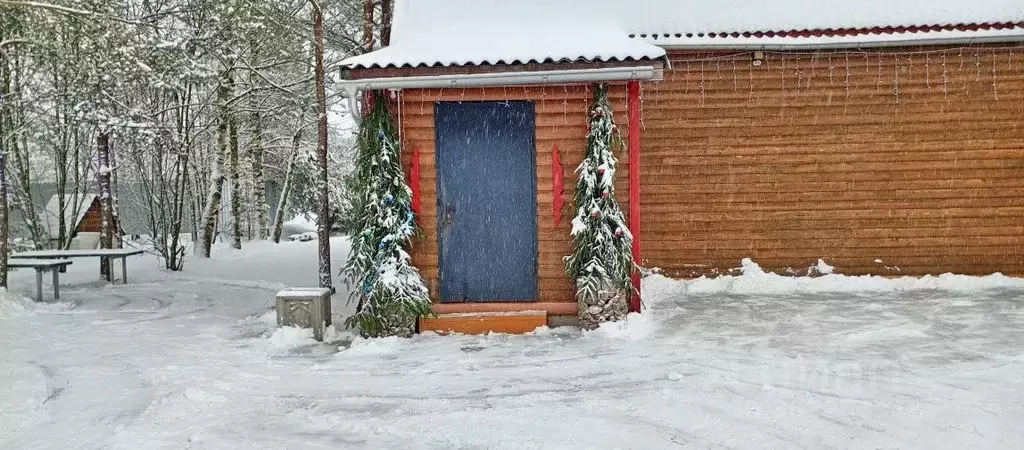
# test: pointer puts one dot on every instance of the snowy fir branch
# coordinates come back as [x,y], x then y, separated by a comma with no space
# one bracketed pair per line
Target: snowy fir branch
[602,257]
[390,292]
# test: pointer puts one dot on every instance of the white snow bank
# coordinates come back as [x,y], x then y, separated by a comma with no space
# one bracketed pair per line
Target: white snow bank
[634,327]
[289,337]
[377,346]
[8,307]
[298,225]
[12,305]
[755,280]
[822,267]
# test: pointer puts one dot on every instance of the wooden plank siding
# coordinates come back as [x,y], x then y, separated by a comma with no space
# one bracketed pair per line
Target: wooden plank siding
[891,161]
[92,220]
[561,119]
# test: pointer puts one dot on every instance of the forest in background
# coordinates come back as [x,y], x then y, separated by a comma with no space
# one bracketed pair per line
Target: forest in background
[193,99]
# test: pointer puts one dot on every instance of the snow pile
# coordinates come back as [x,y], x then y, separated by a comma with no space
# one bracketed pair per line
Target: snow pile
[12,305]
[299,225]
[290,337]
[375,347]
[8,307]
[303,237]
[755,280]
[822,267]
[634,327]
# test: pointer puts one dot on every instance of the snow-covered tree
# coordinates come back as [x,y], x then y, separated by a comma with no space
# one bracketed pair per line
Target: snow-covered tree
[152,74]
[602,258]
[391,295]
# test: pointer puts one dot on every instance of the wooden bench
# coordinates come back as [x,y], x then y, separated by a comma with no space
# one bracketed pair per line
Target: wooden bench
[103,254]
[42,265]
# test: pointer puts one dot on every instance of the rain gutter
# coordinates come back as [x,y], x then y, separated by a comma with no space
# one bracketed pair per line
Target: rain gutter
[753,44]
[352,87]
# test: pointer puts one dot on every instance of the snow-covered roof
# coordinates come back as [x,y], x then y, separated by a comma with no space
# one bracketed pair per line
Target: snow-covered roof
[73,214]
[472,32]
[745,23]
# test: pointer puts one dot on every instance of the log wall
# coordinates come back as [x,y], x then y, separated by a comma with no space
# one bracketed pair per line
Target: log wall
[893,161]
[92,221]
[561,119]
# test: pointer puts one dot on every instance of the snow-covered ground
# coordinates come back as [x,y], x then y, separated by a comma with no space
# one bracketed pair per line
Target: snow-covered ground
[192,360]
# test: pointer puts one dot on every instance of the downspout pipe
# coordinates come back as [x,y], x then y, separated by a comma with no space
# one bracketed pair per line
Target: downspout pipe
[633,114]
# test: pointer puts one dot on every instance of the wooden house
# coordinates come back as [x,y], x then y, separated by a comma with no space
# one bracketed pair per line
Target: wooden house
[882,137]
[83,219]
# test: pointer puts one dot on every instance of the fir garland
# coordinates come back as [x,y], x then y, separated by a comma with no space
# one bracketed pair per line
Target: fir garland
[391,295]
[602,256]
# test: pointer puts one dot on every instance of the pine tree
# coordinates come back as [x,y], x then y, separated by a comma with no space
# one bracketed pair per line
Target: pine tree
[391,295]
[602,259]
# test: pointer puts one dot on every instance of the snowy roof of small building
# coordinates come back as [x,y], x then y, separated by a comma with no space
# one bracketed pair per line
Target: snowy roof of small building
[73,214]
[474,32]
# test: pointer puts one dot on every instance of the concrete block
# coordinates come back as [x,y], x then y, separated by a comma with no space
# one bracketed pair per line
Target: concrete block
[305,308]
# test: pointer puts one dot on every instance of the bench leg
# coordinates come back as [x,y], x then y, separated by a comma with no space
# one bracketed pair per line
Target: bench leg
[56,283]
[105,268]
[124,270]
[39,285]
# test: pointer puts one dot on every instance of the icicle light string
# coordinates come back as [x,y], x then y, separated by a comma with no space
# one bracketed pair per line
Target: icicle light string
[735,80]
[400,100]
[896,79]
[831,69]
[686,79]
[565,105]
[977,65]
[814,62]
[847,82]
[642,89]
[878,81]
[702,83]
[995,90]
[750,74]
[945,77]
[927,72]
[783,78]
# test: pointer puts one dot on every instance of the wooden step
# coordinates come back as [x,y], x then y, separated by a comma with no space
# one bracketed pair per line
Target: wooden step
[568,308]
[512,322]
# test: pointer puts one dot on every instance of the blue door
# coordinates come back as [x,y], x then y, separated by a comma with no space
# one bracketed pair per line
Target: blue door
[486,201]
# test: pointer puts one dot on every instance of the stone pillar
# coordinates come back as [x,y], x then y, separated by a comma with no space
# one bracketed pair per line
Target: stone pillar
[305,308]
